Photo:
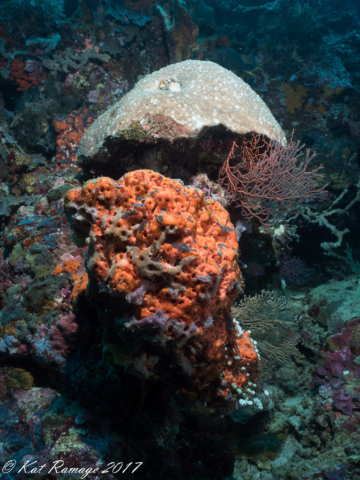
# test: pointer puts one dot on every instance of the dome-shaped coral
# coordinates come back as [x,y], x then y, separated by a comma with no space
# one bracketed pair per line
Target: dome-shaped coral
[163,272]
[184,111]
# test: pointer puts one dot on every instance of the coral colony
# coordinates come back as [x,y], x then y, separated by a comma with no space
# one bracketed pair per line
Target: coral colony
[179,224]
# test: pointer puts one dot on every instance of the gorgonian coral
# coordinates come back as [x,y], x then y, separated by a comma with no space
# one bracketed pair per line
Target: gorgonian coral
[268,180]
[272,325]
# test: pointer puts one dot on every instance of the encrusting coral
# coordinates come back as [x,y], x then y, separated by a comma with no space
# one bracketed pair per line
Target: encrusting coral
[163,273]
[70,129]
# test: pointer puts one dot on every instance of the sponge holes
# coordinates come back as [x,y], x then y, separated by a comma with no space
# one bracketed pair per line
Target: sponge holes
[141,189]
[100,270]
[170,329]
[167,248]
[128,199]
[153,268]
[118,248]
[124,236]
[105,191]
[150,203]
[171,229]
[156,178]
[173,209]
[118,202]
[189,292]
[165,199]
[168,310]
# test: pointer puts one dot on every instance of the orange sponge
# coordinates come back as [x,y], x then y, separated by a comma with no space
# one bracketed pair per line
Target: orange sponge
[162,266]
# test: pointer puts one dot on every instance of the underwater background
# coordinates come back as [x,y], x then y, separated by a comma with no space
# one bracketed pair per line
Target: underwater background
[179,241]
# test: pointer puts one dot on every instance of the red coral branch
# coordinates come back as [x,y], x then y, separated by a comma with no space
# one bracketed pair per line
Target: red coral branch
[268,180]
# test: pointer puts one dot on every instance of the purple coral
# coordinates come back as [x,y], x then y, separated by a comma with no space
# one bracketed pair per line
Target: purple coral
[335,364]
[343,402]
[338,473]
[293,270]
[340,370]
[210,189]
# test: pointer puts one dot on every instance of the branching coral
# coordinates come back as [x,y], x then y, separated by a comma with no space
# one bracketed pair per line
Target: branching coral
[321,218]
[163,272]
[268,180]
[62,63]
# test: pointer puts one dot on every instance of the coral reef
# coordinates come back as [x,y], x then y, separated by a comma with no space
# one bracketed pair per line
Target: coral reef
[90,377]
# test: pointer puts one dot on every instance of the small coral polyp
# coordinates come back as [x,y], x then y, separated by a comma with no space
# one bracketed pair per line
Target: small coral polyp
[163,272]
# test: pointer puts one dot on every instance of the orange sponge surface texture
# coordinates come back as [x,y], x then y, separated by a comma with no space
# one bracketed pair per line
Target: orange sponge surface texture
[170,257]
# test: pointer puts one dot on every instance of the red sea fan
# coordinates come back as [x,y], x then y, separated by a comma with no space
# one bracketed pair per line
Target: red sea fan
[267,180]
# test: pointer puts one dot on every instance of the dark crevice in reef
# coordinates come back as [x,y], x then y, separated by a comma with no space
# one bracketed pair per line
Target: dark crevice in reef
[180,158]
